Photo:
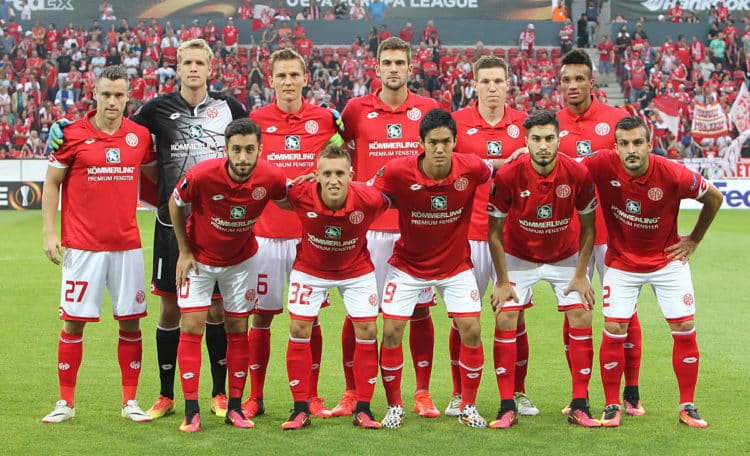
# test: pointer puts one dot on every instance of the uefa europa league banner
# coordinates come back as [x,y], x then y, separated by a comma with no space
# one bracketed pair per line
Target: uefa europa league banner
[86,10]
[651,9]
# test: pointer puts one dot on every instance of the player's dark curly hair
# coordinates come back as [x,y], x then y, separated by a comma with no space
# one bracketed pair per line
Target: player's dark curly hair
[577,56]
[540,118]
[631,123]
[113,73]
[435,119]
[242,126]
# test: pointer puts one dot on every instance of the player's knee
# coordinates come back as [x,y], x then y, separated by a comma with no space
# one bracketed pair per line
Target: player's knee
[169,312]
[507,320]
[300,329]
[393,332]
[615,327]
[235,325]
[682,326]
[366,330]
[73,326]
[579,318]
[194,322]
[216,311]
[420,312]
[262,320]
[130,325]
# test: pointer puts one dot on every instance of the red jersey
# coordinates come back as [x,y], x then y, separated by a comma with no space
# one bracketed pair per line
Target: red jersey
[334,244]
[676,14]
[582,135]
[291,142]
[377,134]
[433,216]
[223,212]
[100,189]
[540,209]
[641,212]
[229,35]
[487,141]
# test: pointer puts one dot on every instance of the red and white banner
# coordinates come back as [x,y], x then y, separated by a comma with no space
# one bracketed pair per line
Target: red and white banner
[262,16]
[669,111]
[709,121]
[740,112]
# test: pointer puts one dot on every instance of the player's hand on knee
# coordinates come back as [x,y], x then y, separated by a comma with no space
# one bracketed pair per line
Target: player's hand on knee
[55,140]
[583,286]
[185,262]
[500,295]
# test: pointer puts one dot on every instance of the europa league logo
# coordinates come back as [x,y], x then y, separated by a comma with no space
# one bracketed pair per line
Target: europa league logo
[28,195]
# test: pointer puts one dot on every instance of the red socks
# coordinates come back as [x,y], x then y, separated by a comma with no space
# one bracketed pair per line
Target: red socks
[347,353]
[421,343]
[237,361]
[365,368]
[391,367]
[504,350]
[581,358]
[69,355]
[316,348]
[685,360]
[189,362]
[522,358]
[298,367]
[471,362]
[611,365]
[259,340]
[129,354]
[633,344]
[454,347]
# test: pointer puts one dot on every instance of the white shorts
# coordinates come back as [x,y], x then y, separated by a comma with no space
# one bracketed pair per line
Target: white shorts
[672,285]
[275,260]
[85,274]
[237,285]
[525,274]
[483,270]
[401,293]
[308,293]
[597,260]
[380,244]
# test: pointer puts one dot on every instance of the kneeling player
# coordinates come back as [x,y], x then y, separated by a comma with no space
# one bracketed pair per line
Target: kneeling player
[226,196]
[532,202]
[335,216]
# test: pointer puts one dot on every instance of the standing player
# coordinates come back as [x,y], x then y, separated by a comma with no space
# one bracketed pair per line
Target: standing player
[335,216]
[641,195]
[217,246]
[189,127]
[493,131]
[385,125]
[532,203]
[294,132]
[99,166]
[434,192]
[586,125]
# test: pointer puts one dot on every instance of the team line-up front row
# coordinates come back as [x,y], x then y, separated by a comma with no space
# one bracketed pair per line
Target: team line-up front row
[541,208]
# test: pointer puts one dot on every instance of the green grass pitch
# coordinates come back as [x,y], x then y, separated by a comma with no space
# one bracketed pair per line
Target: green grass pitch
[29,286]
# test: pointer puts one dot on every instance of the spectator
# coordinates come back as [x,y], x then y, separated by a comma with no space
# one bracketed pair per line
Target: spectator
[245,11]
[341,9]
[407,33]
[582,31]
[606,52]
[230,34]
[560,13]
[592,17]
[376,10]
[566,36]
[358,12]
[313,11]
[429,29]
[384,34]
[526,39]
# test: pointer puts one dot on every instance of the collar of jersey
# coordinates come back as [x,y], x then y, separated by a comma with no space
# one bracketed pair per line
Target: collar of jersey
[425,181]
[504,122]
[408,103]
[98,133]
[293,115]
[590,112]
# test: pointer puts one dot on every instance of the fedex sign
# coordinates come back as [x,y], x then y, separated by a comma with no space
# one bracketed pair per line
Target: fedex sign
[736,195]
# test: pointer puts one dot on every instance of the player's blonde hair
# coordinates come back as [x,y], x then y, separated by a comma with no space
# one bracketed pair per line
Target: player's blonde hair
[286,54]
[197,43]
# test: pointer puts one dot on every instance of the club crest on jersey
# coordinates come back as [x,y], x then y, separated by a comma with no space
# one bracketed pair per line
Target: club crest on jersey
[356,217]
[333,232]
[312,127]
[494,148]
[514,131]
[563,191]
[460,184]
[131,139]
[655,194]
[414,114]
[439,202]
[195,131]
[291,142]
[393,131]
[544,212]
[212,112]
[259,193]
[601,129]
[583,148]
[632,207]
[112,155]
[237,212]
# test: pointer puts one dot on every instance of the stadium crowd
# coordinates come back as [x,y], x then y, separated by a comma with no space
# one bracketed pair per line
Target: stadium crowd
[48,73]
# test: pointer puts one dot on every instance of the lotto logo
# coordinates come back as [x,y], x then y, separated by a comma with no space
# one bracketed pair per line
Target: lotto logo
[294,383]
[586,371]
[632,207]
[188,376]
[237,212]
[690,360]
[239,374]
[393,131]
[423,363]
[500,371]
[439,202]
[473,375]
[389,378]
[372,380]
[610,366]
[254,367]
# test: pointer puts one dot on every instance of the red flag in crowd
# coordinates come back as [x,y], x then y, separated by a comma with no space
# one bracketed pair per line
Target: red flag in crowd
[262,16]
